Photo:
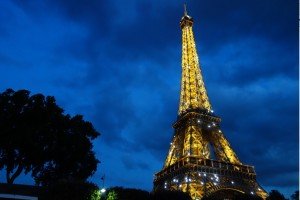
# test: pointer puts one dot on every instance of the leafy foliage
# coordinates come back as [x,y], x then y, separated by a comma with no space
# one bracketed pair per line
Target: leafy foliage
[112,195]
[127,194]
[37,137]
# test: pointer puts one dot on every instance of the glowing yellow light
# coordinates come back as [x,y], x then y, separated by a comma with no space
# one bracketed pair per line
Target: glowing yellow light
[196,130]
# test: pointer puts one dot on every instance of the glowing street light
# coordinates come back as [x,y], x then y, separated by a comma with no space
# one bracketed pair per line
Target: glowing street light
[103,190]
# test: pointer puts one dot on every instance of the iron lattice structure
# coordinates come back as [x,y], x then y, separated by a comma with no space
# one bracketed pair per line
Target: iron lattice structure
[200,160]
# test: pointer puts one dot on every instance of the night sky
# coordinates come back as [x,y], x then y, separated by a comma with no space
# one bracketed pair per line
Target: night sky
[118,63]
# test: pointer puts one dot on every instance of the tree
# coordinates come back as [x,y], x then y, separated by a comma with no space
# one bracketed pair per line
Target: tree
[167,194]
[119,193]
[295,196]
[37,137]
[112,195]
[275,195]
[70,190]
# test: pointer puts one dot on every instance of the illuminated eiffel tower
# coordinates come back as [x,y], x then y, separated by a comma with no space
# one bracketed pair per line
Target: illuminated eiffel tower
[200,160]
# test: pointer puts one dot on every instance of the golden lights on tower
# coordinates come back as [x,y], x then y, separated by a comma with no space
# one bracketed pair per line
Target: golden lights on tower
[193,93]
[200,159]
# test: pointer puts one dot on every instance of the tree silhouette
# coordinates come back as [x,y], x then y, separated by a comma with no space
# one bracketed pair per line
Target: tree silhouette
[295,196]
[62,190]
[120,193]
[275,195]
[37,137]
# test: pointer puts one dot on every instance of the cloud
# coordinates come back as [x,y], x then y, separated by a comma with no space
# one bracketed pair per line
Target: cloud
[131,164]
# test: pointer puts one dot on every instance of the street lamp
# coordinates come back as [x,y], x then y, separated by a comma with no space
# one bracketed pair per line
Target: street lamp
[103,190]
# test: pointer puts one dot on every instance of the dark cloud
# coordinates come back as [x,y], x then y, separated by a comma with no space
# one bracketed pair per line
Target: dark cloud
[131,164]
[241,65]
[118,64]
[223,21]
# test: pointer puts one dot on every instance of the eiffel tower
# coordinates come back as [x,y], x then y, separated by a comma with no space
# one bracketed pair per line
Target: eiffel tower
[200,159]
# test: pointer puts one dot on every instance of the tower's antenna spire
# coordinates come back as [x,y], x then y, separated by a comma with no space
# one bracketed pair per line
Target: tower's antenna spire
[185,11]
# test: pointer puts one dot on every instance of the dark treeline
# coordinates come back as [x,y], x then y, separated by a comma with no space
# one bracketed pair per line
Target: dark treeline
[89,191]
[119,193]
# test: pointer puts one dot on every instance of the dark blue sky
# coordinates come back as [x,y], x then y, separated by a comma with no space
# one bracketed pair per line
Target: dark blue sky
[119,64]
